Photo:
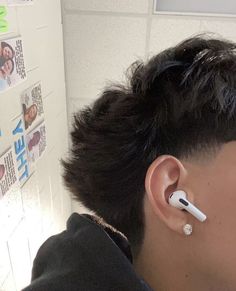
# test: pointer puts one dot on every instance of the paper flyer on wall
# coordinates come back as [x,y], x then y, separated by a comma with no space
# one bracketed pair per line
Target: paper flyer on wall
[12,63]
[20,2]
[24,170]
[36,143]
[8,174]
[32,105]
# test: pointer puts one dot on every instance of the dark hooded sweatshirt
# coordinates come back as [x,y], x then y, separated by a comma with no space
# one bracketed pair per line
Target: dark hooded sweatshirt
[89,255]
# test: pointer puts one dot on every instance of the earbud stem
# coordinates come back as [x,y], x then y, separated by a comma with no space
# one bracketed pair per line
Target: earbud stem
[195,211]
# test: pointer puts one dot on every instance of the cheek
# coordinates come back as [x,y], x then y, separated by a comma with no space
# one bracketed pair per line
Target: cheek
[223,196]
[218,233]
[220,201]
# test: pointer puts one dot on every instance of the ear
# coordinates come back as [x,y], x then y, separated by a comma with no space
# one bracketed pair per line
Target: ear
[164,176]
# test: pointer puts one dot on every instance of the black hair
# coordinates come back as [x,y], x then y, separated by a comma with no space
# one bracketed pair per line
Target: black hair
[181,102]
[5,44]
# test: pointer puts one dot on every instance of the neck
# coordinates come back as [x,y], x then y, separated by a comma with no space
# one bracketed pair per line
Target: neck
[162,274]
[165,268]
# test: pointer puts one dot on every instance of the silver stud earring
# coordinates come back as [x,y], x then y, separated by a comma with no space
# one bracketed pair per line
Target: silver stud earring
[187,228]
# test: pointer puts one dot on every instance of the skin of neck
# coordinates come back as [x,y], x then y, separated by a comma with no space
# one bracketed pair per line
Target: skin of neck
[167,263]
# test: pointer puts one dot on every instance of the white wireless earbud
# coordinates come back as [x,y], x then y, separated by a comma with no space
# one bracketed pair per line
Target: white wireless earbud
[178,199]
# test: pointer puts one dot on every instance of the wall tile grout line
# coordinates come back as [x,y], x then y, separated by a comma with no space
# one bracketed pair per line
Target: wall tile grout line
[9,255]
[105,13]
[148,30]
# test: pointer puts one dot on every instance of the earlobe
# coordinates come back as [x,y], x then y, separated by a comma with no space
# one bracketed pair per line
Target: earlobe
[164,176]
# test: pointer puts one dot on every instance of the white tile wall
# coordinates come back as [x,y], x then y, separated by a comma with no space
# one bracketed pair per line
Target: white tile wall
[18,244]
[99,49]
[51,58]
[5,266]
[9,283]
[34,215]
[47,13]
[127,6]
[222,27]
[11,212]
[31,214]
[19,252]
[167,31]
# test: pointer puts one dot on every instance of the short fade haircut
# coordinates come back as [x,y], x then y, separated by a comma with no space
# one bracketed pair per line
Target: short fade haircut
[181,103]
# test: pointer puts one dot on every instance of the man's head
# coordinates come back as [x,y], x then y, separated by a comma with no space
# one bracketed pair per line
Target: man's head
[173,127]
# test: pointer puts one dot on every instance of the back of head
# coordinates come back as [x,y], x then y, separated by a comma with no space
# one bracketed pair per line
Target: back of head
[181,102]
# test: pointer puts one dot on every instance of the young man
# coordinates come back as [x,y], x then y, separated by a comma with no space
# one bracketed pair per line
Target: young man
[171,128]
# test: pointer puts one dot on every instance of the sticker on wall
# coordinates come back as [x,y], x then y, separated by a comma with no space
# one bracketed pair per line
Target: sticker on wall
[20,150]
[20,2]
[8,174]
[4,25]
[32,105]
[36,143]
[8,20]
[12,65]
